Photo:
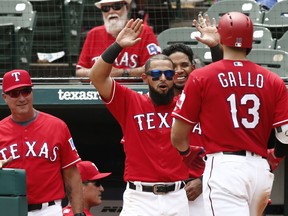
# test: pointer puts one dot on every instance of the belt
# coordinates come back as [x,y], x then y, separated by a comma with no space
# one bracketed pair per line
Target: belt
[240,153]
[157,189]
[32,207]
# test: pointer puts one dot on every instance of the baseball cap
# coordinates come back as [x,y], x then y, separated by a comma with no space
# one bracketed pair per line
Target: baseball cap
[98,4]
[89,171]
[15,79]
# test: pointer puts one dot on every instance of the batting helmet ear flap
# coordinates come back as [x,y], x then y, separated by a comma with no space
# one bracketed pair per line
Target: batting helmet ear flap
[236,30]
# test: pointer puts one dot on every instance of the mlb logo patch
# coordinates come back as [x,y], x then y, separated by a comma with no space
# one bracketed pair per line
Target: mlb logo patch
[238,64]
[72,144]
[238,42]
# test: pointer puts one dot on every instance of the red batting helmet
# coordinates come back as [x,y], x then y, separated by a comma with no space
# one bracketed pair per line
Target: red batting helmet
[236,30]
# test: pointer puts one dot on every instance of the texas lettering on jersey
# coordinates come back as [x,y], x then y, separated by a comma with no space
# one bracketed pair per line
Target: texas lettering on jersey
[32,149]
[131,59]
[147,121]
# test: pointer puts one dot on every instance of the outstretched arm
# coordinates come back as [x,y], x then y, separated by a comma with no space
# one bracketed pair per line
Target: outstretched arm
[100,72]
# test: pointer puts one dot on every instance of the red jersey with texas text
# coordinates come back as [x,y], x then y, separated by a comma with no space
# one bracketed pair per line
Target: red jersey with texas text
[237,104]
[42,148]
[98,40]
[150,156]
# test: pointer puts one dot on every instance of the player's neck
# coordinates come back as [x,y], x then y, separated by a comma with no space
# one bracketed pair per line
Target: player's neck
[23,118]
[233,53]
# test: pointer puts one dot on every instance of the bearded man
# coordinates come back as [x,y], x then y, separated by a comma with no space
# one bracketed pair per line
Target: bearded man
[131,59]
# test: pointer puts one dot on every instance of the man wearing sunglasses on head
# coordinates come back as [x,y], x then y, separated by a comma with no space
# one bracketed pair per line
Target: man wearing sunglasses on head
[154,171]
[42,145]
[91,187]
[130,61]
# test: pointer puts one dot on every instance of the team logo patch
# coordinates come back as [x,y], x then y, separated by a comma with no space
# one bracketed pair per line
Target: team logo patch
[72,144]
[153,49]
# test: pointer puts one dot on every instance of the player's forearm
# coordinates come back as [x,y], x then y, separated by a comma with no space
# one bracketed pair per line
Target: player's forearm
[82,72]
[73,187]
[180,136]
[129,72]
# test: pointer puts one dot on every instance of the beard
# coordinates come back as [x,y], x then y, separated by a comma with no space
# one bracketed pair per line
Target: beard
[114,26]
[161,98]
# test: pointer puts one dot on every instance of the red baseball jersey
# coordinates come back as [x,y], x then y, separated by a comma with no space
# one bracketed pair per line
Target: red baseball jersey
[67,211]
[150,156]
[42,148]
[98,40]
[237,104]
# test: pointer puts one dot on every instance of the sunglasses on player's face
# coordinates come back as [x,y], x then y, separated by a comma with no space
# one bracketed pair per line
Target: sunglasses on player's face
[155,74]
[16,93]
[116,6]
[96,183]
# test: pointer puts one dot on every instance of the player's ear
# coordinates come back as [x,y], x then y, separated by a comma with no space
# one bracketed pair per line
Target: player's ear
[144,77]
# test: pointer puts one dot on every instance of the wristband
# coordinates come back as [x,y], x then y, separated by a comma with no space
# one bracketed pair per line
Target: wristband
[111,53]
[184,153]
[80,214]
[125,73]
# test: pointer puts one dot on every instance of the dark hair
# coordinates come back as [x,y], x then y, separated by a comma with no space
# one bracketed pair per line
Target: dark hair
[179,47]
[155,58]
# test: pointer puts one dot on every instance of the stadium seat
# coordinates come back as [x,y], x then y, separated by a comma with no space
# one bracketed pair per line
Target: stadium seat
[274,60]
[282,43]
[262,38]
[249,7]
[276,19]
[184,35]
[20,14]
[203,53]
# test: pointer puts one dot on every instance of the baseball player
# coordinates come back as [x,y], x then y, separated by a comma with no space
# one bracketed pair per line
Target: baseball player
[210,37]
[42,145]
[237,103]
[91,187]
[131,59]
[182,57]
[154,170]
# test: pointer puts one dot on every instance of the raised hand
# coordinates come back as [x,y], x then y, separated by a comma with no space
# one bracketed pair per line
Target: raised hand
[130,33]
[208,30]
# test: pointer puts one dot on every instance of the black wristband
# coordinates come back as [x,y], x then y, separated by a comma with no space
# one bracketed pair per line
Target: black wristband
[183,153]
[216,53]
[111,53]
[80,214]
[125,73]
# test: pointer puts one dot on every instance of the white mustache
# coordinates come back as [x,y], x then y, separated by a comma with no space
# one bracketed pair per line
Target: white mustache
[113,15]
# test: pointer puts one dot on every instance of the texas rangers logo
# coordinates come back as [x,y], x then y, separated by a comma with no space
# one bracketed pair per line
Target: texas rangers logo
[153,49]
[16,76]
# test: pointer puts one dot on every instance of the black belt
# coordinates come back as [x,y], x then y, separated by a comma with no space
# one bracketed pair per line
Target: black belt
[158,189]
[240,153]
[32,207]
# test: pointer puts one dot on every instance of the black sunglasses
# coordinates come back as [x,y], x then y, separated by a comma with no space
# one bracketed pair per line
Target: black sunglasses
[97,183]
[116,6]
[157,73]
[16,93]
